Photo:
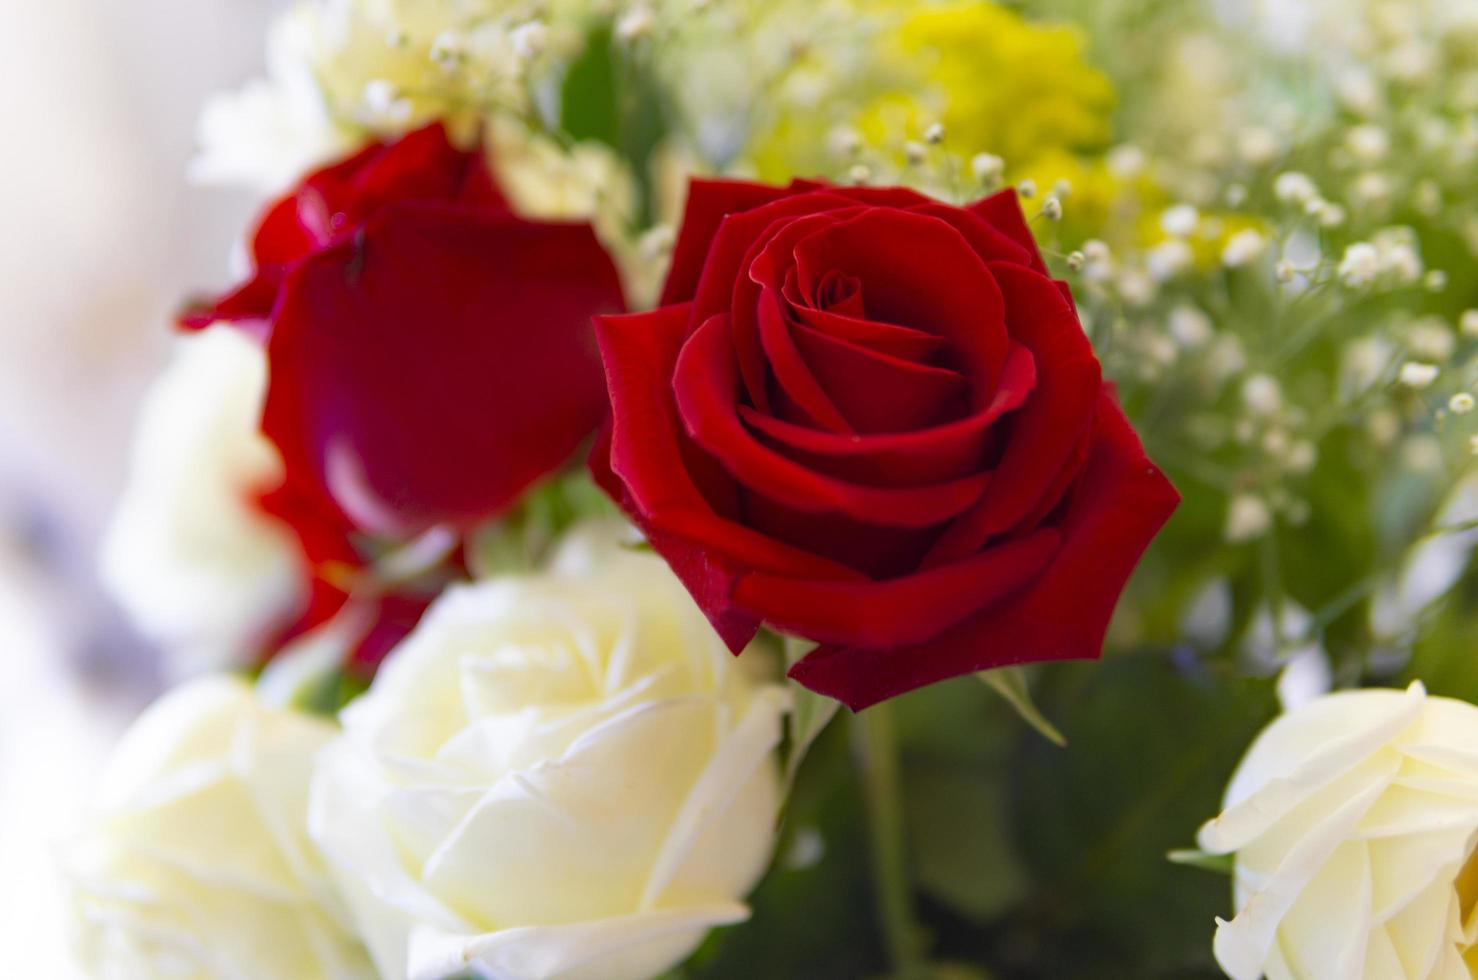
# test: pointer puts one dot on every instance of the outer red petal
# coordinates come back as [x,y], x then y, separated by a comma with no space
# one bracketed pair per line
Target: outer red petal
[429,370]
[1117,507]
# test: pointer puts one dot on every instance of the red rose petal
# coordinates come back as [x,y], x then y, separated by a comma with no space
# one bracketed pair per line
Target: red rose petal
[705,383]
[1002,211]
[1120,504]
[899,611]
[916,458]
[428,371]
[640,351]
[919,272]
[1047,428]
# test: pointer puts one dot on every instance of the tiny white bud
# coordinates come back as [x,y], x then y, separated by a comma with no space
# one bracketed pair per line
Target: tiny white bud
[1051,208]
[934,135]
[1417,374]
[1126,161]
[1293,187]
[1435,281]
[1189,326]
[1179,220]
[915,152]
[1242,248]
[1248,517]
[987,167]
[1075,260]
[634,24]
[1301,457]
[529,40]
[1473,445]
[860,173]
[1027,188]
[1468,323]
[1095,250]
[1284,271]
[1236,195]
[1460,403]
[1062,188]
[1262,395]
[449,50]
[1359,265]
[844,141]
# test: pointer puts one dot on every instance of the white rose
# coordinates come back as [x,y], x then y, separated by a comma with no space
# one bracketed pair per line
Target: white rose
[189,556]
[564,775]
[1353,820]
[199,864]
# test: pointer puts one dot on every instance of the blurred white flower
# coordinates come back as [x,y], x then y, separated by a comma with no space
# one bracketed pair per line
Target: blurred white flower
[199,864]
[273,129]
[1248,517]
[553,776]
[1242,248]
[201,570]
[1353,821]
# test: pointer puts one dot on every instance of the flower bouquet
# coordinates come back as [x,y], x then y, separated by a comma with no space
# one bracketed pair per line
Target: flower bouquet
[632,512]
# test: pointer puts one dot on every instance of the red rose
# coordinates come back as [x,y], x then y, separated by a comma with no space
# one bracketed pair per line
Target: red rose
[873,420]
[430,353]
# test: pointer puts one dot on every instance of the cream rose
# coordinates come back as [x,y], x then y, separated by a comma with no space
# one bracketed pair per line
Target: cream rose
[1354,820]
[191,559]
[564,775]
[199,866]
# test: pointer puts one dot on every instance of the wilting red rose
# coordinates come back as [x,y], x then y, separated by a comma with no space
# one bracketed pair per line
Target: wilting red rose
[873,420]
[430,353]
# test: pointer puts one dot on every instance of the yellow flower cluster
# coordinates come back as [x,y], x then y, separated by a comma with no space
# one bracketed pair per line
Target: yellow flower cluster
[995,81]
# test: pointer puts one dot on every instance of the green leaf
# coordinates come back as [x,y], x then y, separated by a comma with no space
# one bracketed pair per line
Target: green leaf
[1192,858]
[809,716]
[588,109]
[1011,684]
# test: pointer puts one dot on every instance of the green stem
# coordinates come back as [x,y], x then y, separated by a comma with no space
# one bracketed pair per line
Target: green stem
[875,753]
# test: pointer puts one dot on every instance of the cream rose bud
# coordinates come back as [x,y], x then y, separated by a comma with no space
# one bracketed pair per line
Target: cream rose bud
[189,556]
[564,775]
[1354,820]
[199,864]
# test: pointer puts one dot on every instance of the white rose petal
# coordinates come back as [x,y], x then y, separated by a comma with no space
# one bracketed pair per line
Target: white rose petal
[199,568]
[1352,819]
[199,864]
[564,775]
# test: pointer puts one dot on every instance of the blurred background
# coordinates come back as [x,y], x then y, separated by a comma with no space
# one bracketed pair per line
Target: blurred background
[102,235]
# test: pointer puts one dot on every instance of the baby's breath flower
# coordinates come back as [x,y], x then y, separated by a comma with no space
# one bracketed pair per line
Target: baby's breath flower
[529,40]
[1242,248]
[934,135]
[1417,375]
[1460,403]
[1248,517]
[1257,145]
[1360,265]
[1468,323]
[915,153]
[1075,261]
[860,173]
[1126,161]
[1051,208]
[449,50]
[1027,188]
[1062,188]
[987,168]
[1294,187]
[1179,220]
[635,24]
[1435,281]
[1189,326]
[1262,395]
[1368,143]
